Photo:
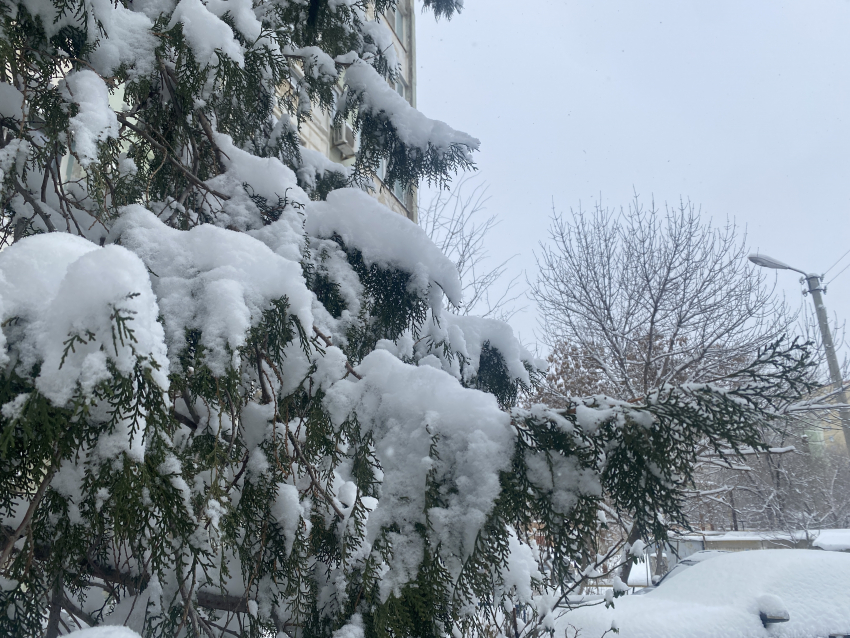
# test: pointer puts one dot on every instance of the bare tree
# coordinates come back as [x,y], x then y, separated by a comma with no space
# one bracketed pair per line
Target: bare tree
[802,490]
[650,297]
[637,298]
[456,221]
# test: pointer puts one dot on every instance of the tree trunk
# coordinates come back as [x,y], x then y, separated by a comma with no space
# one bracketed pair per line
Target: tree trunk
[625,570]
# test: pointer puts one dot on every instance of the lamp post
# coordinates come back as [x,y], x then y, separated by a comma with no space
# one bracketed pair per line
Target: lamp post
[815,288]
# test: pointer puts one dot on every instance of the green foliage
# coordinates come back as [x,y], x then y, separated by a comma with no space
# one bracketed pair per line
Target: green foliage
[237,500]
[493,377]
[406,165]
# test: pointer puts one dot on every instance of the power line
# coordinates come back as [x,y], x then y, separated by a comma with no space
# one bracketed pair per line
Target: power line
[836,263]
[839,272]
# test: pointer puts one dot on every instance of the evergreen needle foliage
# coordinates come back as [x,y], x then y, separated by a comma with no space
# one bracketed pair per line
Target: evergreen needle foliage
[232,403]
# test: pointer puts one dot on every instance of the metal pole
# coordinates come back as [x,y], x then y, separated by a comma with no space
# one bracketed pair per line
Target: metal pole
[829,348]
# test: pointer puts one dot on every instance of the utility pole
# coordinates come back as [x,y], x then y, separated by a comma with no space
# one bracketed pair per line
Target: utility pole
[816,290]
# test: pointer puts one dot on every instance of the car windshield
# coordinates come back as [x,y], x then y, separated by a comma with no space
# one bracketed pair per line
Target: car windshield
[685,563]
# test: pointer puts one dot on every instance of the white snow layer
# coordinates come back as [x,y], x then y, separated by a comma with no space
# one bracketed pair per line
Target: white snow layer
[11,102]
[315,164]
[206,33]
[521,570]
[267,176]
[128,40]
[95,120]
[105,632]
[408,408]
[476,331]
[451,338]
[834,540]
[384,238]
[242,12]
[413,128]
[59,287]
[353,629]
[383,39]
[724,595]
[211,279]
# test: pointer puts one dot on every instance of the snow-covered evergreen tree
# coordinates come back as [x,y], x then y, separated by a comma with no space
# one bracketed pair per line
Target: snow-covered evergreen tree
[231,402]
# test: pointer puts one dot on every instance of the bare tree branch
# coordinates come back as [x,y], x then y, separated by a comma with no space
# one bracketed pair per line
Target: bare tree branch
[660,296]
[455,222]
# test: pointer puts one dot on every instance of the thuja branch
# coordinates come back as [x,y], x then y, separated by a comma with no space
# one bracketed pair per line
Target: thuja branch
[35,205]
[329,343]
[21,530]
[314,479]
[167,153]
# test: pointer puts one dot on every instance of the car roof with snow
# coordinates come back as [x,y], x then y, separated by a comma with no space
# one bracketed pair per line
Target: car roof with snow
[727,596]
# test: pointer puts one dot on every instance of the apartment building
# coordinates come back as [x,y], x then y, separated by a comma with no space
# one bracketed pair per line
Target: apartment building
[339,145]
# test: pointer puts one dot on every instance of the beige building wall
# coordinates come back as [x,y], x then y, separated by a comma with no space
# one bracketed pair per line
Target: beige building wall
[316,133]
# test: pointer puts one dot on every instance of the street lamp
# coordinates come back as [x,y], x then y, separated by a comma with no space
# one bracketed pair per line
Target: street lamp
[815,288]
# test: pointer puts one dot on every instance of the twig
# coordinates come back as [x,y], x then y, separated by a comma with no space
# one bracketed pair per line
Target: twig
[35,205]
[328,343]
[313,478]
[162,149]
[76,611]
[267,397]
[10,544]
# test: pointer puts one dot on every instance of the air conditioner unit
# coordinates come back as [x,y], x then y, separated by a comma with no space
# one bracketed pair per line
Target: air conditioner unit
[343,139]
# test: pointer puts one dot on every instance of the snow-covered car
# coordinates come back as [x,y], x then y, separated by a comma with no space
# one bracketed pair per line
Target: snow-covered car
[781,593]
[681,566]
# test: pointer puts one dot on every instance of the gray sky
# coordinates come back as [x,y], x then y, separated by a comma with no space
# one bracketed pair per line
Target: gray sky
[743,107]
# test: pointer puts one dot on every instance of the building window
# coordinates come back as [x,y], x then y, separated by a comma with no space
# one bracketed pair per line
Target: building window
[400,193]
[401,88]
[399,24]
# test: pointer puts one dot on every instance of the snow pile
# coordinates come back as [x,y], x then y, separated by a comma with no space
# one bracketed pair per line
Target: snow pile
[408,409]
[382,39]
[521,570]
[771,606]
[316,165]
[330,261]
[288,512]
[242,12]
[105,632]
[95,121]
[413,128]
[353,629]
[316,63]
[724,596]
[213,280]
[563,479]
[206,33]
[640,575]
[833,540]
[383,238]
[116,34]
[468,334]
[66,296]
[128,40]
[53,18]
[455,343]
[11,102]
[265,177]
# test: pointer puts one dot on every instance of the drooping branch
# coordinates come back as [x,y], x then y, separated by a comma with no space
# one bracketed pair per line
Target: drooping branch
[169,156]
[45,217]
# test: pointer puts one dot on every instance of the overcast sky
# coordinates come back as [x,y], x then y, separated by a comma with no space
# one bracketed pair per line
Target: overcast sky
[741,106]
